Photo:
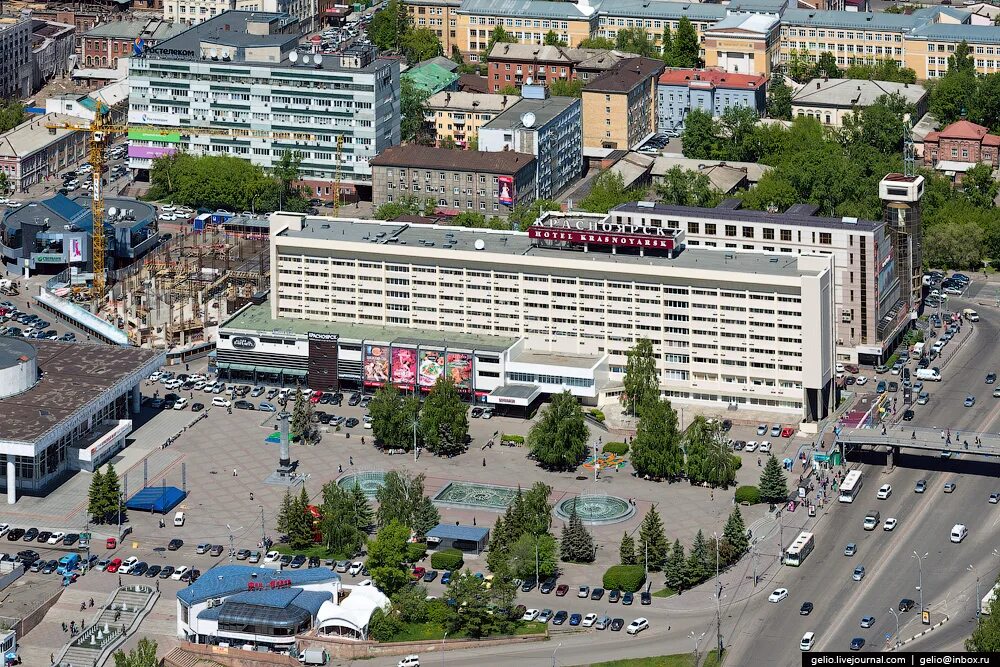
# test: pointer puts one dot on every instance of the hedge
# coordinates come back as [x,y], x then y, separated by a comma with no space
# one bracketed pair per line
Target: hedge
[517,439]
[748,494]
[597,414]
[415,551]
[624,578]
[616,448]
[447,559]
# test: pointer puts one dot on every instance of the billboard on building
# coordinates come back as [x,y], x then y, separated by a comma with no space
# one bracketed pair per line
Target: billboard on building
[505,185]
[432,363]
[460,370]
[404,367]
[376,365]
[76,250]
[138,47]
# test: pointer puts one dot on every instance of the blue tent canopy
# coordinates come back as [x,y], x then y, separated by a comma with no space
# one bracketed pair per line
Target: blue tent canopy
[158,499]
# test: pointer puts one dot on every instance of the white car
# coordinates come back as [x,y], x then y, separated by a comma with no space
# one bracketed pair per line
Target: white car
[356,568]
[56,538]
[179,572]
[220,402]
[765,447]
[530,615]
[751,446]
[167,207]
[860,380]
[637,626]
[884,491]
[409,661]
[589,620]
[367,421]
[890,524]
[127,566]
[154,377]
[272,557]
[778,595]
[4,527]
[180,403]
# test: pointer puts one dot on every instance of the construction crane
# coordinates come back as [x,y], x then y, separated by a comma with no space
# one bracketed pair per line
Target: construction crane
[101,129]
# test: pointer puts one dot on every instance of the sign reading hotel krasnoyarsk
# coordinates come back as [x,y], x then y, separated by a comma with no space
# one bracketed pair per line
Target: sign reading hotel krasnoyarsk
[604,232]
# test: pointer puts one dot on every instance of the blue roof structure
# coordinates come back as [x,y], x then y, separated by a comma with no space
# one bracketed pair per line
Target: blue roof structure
[158,499]
[226,580]
[449,532]
[950,32]
[851,20]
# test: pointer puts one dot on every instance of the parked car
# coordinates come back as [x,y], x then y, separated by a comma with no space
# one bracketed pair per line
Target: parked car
[562,589]
[637,626]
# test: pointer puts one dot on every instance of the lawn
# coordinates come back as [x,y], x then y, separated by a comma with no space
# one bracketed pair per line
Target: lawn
[665,593]
[414,632]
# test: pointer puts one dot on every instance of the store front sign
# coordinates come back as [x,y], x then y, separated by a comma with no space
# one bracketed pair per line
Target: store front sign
[49,259]
[244,343]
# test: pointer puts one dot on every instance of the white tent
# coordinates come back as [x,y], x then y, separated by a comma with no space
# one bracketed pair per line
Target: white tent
[350,618]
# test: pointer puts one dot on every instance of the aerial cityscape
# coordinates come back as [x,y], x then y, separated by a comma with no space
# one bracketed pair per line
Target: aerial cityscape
[612,333]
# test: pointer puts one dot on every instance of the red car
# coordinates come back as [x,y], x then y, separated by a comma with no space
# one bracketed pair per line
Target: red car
[315,397]
[419,572]
[787,432]
[113,565]
[562,589]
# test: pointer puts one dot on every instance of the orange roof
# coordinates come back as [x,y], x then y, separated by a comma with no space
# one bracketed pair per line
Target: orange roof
[711,78]
[963,129]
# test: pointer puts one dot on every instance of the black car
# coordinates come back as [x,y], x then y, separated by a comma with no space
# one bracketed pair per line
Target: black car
[153,571]
[548,586]
[15,534]
[28,556]
[857,643]
[628,597]
[166,571]
[806,608]
[337,398]
[195,573]
[175,544]
[351,423]
[50,567]
[324,418]
[893,386]
[298,561]
[529,584]
[908,415]
[991,378]
[906,604]
[43,536]
[313,561]
[70,539]
[476,413]
[244,405]
[140,568]
[354,399]
[30,535]
[286,560]
[614,595]
[197,407]
[430,575]
[597,594]
[560,617]
[326,398]
[617,624]
[645,598]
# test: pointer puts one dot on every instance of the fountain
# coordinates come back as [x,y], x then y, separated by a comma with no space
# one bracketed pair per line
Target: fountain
[473,494]
[596,509]
[370,481]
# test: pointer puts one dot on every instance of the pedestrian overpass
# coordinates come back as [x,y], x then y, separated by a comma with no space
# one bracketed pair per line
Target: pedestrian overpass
[919,439]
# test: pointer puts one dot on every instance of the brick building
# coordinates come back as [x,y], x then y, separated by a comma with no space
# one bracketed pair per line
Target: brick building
[456,181]
[959,147]
[619,106]
[515,64]
[105,44]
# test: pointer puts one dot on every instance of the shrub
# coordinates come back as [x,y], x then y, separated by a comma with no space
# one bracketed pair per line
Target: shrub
[383,626]
[447,559]
[617,448]
[415,551]
[625,577]
[438,612]
[516,439]
[597,414]
[748,494]
[737,461]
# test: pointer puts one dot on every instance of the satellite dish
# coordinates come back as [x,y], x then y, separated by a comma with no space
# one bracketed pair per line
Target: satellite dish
[305,59]
[112,211]
[293,56]
[214,53]
[318,59]
[480,244]
[528,119]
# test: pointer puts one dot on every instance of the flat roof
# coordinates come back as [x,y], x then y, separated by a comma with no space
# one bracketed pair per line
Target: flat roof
[850,93]
[73,376]
[523,391]
[448,159]
[749,215]
[13,349]
[449,532]
[257,318]
[33,134]
[544,110]
[558,359]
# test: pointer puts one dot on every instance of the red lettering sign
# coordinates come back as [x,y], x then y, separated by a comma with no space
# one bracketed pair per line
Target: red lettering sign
[601,238]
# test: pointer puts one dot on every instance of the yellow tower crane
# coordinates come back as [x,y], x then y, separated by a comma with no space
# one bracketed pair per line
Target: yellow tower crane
[100,130]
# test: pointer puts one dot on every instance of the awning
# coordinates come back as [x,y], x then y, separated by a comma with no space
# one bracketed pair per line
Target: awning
[269,369]
[294,372]
[222,364]
[241,367]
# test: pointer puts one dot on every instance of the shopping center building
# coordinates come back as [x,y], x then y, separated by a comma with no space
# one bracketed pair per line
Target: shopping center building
[515,316]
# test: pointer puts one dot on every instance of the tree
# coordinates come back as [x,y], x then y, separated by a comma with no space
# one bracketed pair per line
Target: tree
[979,186]
[97,502]
[687,45]
[698,567]
[703,445]
[143,655]
[641,377]
[667,45]
[700,135]
[675,570]
[477,612]
[522,553]
[984,107]
[558,440]
[401,498]
[389,26]
[112,493]
[300,527]
[952,95]
[800,66]
[300,420]
[287,172]
[597,43]
[637,41]
[509,89]
[421,44]
[447,142]
[685,187]
[986,637]
[339,525]
[12,114]
[734,536]
[363,515]
[525,215]
[608,191]
[653,546]
[656,448]
[386,557]
[880,125]
[412,109]
[827,66]
[444,421]
[392,418]
[566,88]
[773,485]
[626,552]
[779,99]
[576,544]
[955,245]
[962,60]
[553,39]
[410,604]
[720,465]
[283,521]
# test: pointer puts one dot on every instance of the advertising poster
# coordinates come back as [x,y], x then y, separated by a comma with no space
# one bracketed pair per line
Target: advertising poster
[460,370]
[138,47]
[376,365]
[506,186]
[404,366]
[75,250]
[431,367]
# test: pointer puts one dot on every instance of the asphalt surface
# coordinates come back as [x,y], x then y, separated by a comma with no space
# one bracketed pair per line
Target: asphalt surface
[764,633]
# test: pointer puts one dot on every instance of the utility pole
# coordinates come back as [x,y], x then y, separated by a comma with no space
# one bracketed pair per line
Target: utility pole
[920,578]
[232,551]
[537,580]
[979,599]
[414,439]
[263,533]
[718,602]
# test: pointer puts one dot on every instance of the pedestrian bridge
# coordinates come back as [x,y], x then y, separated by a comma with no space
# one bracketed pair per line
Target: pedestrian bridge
[921,439]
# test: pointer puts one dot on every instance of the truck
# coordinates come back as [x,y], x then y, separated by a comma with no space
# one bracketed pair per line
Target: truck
[918,350]
[970,315]
[68,563]
[313,656]
[929,374]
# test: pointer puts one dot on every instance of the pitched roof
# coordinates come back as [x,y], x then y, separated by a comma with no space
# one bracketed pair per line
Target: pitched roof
[473,83]
[837,19]
[535,9]
[625,75]
[430,77]
[710,78]
[33,135]
[963,129]
[526,52]
[953,32]
[758,23]
[429,157]
[471,102]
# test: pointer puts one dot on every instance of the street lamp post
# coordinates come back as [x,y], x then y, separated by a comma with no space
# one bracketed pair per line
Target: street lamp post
[979,599]
[718,601]
[920,578]
[414,440]
[697,644]
[896,615]
[442,647]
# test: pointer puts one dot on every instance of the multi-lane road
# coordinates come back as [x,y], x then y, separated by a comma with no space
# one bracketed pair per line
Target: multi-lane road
[763,633]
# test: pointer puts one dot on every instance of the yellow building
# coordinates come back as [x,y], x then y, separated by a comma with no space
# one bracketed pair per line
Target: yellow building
[619,107]
[653,17]
[437,15]
[927,48]
[850,36]
[742,44]
[527,20]
[459,116]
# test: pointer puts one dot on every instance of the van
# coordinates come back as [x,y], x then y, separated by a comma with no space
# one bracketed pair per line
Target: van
[929,374]
[808,639]
[970,315]
[958,532]
[179,519]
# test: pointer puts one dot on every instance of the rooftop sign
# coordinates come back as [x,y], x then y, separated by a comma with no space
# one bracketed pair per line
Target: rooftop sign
[602,231]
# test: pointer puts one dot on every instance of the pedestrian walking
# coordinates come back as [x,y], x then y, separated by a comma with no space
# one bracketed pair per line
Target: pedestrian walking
[251,496]
[234,473]
[484,461]
[340,468]
[119,581]
[352,458]
[758,461]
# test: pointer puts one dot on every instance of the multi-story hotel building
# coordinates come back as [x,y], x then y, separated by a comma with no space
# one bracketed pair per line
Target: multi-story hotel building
[235,85]
[543,311]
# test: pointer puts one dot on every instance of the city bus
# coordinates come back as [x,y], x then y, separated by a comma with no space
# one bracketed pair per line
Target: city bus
[800,549]
[851,487]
